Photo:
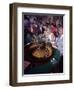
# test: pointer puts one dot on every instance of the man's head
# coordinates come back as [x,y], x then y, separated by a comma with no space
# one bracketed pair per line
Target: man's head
[60,30]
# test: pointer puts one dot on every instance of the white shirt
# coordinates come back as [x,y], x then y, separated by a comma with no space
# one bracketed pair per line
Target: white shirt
[59,43]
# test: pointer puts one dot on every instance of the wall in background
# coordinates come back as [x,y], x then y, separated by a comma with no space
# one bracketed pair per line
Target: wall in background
[4,45]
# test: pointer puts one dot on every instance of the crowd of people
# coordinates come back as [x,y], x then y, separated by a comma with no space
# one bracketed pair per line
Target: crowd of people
[48,28]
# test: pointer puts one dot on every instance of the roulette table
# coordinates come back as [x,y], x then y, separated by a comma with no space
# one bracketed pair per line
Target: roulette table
[42,57]
[38,52]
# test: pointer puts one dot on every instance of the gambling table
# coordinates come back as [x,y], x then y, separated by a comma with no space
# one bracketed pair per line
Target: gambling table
[42,58]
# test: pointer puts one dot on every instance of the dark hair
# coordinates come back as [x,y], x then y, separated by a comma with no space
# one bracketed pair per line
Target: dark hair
[49,44]
[60,26]
[53,24]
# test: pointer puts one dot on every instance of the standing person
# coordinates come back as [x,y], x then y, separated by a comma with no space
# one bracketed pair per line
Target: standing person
[52,38]
[59,43]
[59,40]
[53,29]
[49,37]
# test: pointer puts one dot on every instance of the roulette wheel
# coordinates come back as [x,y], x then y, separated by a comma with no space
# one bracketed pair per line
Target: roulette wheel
[43,57]
[38,52]
[41,53]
